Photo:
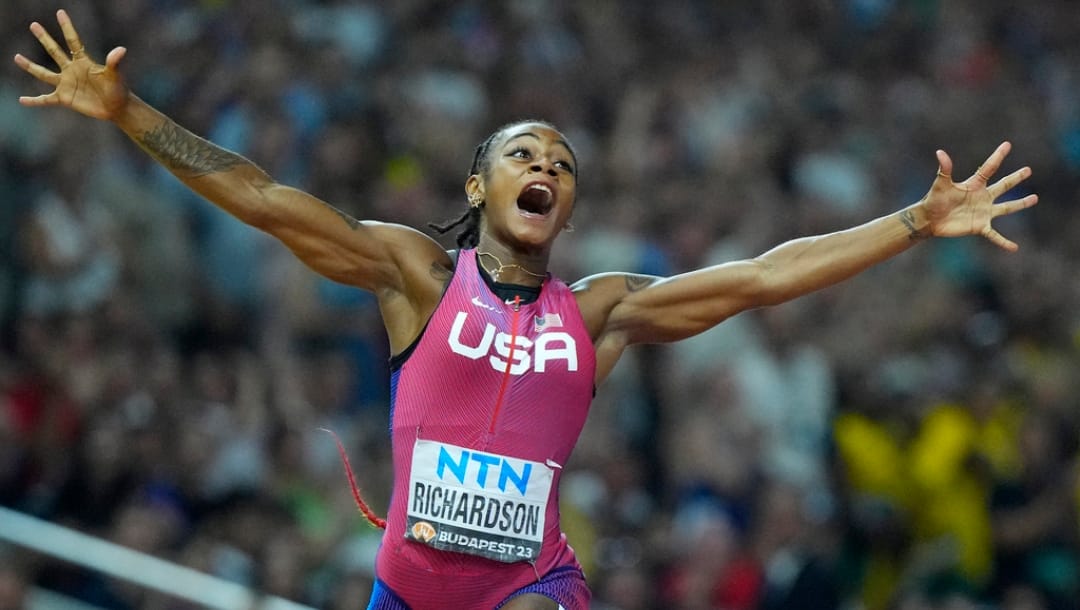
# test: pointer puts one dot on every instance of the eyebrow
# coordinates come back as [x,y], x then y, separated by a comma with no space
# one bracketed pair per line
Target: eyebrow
[565,144]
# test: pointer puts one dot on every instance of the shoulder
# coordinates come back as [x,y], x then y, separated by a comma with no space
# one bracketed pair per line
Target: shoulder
[612,285]
[599,295]
[413,251]
[425,271]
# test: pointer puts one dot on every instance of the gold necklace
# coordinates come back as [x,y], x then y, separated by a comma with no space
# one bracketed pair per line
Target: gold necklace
[497,274]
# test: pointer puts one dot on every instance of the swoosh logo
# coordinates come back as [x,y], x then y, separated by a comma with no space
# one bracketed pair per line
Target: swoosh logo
[476,301]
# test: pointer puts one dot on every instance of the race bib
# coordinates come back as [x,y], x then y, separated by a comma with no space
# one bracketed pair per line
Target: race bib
[478,503]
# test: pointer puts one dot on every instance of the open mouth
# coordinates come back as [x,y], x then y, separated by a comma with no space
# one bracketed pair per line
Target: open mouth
[536,199]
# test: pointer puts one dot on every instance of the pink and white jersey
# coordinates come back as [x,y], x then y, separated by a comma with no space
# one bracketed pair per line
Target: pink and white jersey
[484,413]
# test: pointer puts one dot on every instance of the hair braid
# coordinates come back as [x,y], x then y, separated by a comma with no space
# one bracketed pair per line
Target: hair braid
[469,235]
[369,514]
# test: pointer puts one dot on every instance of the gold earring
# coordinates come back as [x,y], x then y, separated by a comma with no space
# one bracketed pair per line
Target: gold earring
[568,227]
[475,200]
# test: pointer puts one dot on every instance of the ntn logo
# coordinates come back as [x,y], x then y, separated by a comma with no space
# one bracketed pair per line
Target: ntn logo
[474,466]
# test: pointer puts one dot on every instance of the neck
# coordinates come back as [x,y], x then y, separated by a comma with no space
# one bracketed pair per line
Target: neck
[511,267]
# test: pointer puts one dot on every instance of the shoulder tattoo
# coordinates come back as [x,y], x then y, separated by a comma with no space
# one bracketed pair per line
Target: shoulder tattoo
[440,272]
[349,220]
[914,233]
[183,151]
[636,282]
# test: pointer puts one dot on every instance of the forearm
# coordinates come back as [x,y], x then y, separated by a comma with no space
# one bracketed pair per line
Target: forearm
[804,265]
[323,237]
[223,177]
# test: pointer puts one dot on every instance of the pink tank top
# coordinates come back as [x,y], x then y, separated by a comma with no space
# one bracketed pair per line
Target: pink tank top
[485,411]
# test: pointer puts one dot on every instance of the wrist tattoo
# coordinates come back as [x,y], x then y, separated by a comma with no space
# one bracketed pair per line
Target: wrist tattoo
[182,151]
[914,233]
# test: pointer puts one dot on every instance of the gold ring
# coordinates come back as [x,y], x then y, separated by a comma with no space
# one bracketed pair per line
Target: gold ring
[979,174]
[943,174]
[77,52]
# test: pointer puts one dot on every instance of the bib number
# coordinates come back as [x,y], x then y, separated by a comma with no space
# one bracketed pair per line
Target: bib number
[478,503]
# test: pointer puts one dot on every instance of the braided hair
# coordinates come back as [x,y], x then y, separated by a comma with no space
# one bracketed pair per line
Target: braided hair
[469,236]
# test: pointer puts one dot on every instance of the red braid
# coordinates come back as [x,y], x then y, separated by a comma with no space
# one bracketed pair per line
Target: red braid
[364,508]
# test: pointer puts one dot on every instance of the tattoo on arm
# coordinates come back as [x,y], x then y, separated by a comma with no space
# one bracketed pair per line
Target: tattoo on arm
[182,151]
[440,272]
[353,223]
[638,282]
[914,233]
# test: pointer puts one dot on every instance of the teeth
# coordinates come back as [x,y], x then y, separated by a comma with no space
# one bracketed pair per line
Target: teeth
[543,188]
[537,204]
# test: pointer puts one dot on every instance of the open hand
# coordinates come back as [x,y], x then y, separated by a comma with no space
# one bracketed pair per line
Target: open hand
[967,208]
[84,86]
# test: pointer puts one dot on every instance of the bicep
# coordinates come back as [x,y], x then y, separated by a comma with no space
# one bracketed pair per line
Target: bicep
[684,305]
[368,254]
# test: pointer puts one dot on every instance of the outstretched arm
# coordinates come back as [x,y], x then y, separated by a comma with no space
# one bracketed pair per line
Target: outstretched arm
[624,309]
[366,254]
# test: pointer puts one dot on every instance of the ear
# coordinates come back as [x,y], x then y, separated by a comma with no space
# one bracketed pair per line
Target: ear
[474,187]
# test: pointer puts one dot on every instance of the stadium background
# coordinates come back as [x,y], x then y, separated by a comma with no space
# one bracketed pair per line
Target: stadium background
[904,440]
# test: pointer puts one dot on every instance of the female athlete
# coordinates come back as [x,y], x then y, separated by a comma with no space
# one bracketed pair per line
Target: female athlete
[495,359]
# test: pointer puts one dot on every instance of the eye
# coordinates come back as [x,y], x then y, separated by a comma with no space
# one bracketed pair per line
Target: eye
[520,153]
[567,166]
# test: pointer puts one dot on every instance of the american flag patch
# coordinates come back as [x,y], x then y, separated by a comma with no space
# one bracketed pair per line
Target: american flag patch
[546,321]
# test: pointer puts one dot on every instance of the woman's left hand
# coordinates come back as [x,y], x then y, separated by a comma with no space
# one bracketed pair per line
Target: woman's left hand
[967,208]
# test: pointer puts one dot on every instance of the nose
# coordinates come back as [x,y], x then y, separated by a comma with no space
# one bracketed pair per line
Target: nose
[543,165]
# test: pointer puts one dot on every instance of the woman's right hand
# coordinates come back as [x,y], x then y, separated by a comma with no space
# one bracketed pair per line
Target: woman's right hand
[87,87]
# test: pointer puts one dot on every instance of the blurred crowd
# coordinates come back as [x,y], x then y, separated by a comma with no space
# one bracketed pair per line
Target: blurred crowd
[906,440]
